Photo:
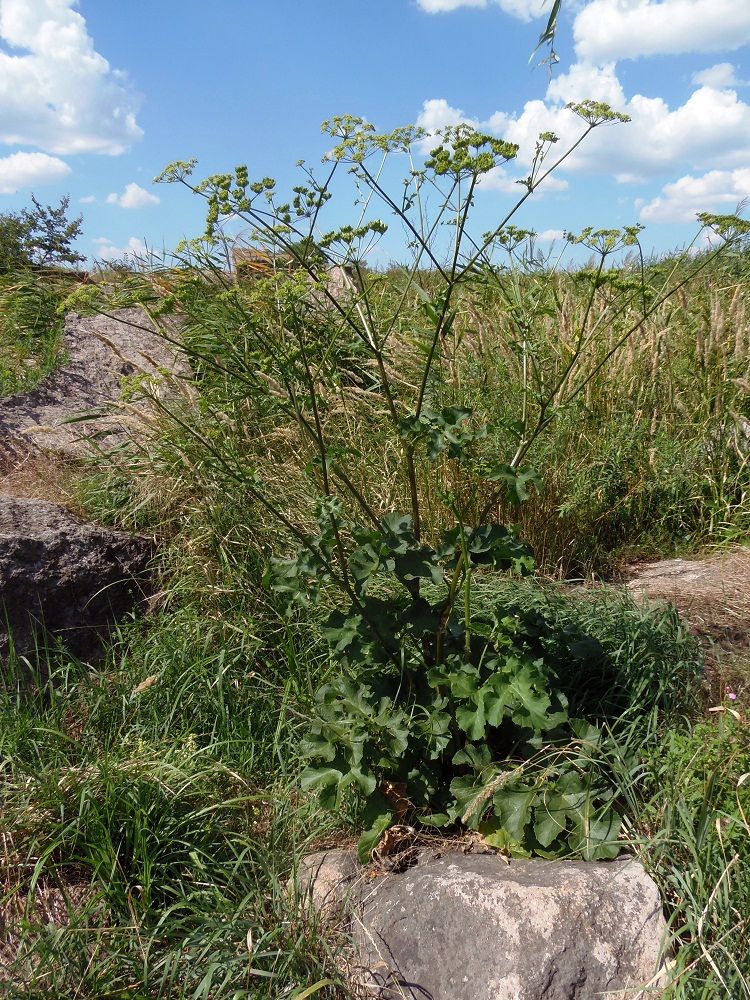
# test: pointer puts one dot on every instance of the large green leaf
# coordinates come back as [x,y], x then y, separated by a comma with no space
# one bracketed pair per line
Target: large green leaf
[324,781]
[513,808]
[418,563]
[340,629]
[465,791]
[517,481]
[595,830]
[550,817]
[377,817]
[498,837]
[532,703]
[471,718]
[364,563]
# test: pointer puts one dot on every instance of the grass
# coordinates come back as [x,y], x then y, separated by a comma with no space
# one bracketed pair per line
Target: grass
[30,328]
[651,459]
[152,821]
[151,813]
[696,808]
[683,779]
[160,811]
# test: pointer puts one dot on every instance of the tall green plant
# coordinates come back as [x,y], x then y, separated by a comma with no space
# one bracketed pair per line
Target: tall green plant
[435,709]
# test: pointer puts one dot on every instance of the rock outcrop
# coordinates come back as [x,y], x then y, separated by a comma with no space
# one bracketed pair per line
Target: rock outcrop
[475,927]
[63,578]
[60,577]
[99,352]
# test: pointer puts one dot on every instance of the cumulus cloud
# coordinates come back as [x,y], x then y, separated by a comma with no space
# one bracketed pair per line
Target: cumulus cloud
[710,130]
[445,6]
[500,180]
[134,196]
[438,113]
[608,30]
[56,91]
[135,249]
[681,201]
[523,9]
[27,170]
[550,236]
[706,139]
[626,29]
[88,199]
[721,75]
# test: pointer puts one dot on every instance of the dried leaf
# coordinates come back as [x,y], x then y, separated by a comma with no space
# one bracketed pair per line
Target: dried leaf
[144,685]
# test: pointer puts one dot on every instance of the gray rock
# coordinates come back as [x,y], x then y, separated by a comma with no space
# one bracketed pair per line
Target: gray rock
[473,927]
[98,353]
[327,877]
[63,577]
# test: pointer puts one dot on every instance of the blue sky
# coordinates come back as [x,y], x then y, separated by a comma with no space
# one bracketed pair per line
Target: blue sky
[97,96]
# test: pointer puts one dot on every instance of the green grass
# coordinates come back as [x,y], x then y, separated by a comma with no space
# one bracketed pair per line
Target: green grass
[652,458]
[155,799]
[695,803]
[159,794]
[170,817]
[30,329]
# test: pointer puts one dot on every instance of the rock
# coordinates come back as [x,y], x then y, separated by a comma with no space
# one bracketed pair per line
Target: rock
[710,593]
[64,577]
[327,876]
[100,351]
[475,927]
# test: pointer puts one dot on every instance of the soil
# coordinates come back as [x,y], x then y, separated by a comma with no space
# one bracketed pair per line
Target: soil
[712,595]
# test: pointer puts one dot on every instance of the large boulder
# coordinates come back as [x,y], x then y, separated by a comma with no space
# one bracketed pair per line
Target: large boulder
[98,353]
[477,927]
[64,578]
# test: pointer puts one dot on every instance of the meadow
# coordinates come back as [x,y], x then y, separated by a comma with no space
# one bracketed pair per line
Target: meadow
[389,495]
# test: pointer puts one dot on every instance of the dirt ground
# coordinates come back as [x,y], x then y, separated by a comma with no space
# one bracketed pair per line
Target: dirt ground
[28,472]
[712,594]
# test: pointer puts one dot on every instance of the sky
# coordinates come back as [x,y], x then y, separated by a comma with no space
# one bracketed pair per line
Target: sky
[97,96]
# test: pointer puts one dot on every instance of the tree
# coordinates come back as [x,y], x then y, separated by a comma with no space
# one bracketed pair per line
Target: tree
[13,236]
[40,236]
[50,234]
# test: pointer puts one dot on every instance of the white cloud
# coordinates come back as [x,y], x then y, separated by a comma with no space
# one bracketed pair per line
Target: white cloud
[524,9]
[550,236]
[438,113]
[585,80]
[445,6]
[721,75]
[499,180]
[134,196]
[625,29]
[56,91]
[88,199]
[710,130]
[681,201]
[107,250]
[706,138]
[27,170]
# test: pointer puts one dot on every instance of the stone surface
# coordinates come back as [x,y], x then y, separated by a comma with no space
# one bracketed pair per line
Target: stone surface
[99,352]
[473,927]
[327,877]
[59,574]
[712,593]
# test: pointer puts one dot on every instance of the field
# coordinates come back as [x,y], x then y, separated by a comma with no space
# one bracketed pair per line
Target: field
[154,808]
